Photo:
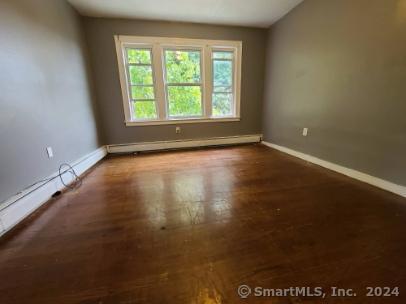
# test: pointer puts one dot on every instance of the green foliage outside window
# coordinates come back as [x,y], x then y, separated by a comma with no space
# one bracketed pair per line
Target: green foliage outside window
[185,101]
[139,56]
[222,73]
[222,98]
[140,74]
[142,92]
[141,79]
[144,109]
[182,67]
[222,104]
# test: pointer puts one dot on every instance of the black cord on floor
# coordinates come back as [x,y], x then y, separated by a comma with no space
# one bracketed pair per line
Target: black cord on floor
[77,182]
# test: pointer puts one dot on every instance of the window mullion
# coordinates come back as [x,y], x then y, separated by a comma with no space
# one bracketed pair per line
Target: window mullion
[159,81]
[208,86]
[185,84]
[237,80]
[123,78]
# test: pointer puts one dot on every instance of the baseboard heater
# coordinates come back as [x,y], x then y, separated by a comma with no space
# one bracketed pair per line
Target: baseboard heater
[181,144]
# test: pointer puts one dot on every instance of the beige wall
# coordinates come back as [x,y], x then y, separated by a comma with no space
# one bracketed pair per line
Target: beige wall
[45,94]
[338,67]
[100,32]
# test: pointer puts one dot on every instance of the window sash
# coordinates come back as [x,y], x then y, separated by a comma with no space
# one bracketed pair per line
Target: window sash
[180,49]
[133,101]
[181,116]
[233,79]
[133,104]
[183,84]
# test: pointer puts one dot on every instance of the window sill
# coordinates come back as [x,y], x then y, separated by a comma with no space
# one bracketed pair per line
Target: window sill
[179,121]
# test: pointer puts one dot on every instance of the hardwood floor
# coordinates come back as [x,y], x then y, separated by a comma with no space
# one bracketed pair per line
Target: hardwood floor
[191,226]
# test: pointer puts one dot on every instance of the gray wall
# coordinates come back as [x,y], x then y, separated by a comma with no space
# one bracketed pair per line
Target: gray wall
[99,34]
[339,68]
[44,91]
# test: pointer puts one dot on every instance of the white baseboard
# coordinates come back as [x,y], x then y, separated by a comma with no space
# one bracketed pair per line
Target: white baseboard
[363,177]
[15,209]
[188,143]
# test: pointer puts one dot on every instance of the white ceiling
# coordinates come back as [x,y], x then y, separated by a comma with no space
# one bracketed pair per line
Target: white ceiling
[255,13]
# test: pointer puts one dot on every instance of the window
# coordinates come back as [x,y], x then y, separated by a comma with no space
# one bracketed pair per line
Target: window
[183,83]
[141,84]
[171,80]
[223,88]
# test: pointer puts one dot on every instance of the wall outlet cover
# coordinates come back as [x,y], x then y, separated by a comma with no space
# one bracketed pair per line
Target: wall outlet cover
[305,131]
[50,152]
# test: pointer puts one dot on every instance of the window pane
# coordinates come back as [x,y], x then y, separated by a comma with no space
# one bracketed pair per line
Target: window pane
[222,104]
[185,101]
[222,73]
[182,66]
[139,56]
[138,92]
[144,109]
[223,55]
[140,74]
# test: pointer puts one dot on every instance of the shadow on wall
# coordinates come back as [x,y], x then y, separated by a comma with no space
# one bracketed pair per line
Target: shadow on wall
[28,15]
[401,12]
[47,97]
[337,68]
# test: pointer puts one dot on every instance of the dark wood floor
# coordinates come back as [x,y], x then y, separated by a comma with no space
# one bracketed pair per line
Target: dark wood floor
[191,226]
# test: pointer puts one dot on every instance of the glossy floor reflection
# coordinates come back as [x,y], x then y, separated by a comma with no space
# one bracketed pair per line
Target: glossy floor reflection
[191,226]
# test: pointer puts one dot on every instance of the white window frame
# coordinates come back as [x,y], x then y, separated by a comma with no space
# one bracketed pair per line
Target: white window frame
[167,85]
[233,85]
[129,84]
[158,46]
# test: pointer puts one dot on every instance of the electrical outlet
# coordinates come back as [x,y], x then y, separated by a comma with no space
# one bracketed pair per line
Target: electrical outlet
[177,130]
[50,152]
[305,131]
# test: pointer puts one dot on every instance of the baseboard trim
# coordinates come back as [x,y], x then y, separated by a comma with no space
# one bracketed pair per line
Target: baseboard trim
[18,207]
[363,177]
[179,144]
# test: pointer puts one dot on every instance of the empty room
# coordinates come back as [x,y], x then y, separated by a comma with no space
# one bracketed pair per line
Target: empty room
[202,151]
